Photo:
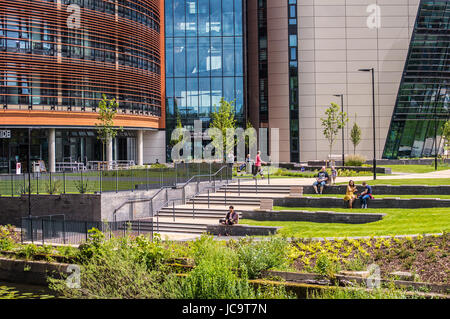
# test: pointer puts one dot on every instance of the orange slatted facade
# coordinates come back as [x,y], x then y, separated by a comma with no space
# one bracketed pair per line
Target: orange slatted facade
[53,72]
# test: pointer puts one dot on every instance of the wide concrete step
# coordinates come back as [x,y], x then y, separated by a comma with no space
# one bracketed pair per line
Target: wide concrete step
[174,227]
[229,201]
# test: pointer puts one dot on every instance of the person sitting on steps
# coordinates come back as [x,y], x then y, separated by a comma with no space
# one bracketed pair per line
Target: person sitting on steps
[349,195]
[231,218]
[321,179]
[365,195]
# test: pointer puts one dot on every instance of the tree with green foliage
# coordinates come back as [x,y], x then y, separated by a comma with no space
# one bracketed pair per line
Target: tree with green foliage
[355,135]
[334,121]
[223,118]
[106,130]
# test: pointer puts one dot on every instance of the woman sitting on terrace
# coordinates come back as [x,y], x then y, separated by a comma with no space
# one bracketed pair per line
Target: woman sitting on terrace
[349,195]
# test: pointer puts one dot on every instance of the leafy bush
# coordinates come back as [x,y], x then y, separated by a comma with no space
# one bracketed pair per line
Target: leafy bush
[257,256]
[82,186]
[7,237]
[355,160]
[53,188]
[326,266]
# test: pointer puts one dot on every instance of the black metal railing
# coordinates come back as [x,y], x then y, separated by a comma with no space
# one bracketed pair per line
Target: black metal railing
[98,181]
[55,229]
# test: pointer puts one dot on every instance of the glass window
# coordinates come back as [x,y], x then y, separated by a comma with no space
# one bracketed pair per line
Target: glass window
[228,56]
[216,56]
[238,17]
[169,18]
[204,56]
[203,17]
[192,65]
[228,88]
[191,18]
[180,56]
[239,57]
[204,93]
[180,94]
[228,18]
[216,92]
[179,17]
[215,18]
[192,97]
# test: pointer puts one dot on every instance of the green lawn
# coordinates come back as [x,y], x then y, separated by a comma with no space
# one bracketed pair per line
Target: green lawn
[411,181]
[415,168]
[396,222]
[383,196]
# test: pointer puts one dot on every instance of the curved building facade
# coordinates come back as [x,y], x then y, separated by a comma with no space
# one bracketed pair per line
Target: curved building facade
[59,57]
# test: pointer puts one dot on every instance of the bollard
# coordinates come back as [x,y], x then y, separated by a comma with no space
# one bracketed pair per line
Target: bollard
[173,210]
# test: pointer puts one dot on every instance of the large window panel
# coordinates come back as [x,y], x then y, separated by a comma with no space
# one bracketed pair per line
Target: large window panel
[239,50]
[216,18]
[216,56]
[216,92]
[204,58]
[228,88]
[192,56]
[180,95]
[204,92]
[192,97]
[179,18]
[169,18]
[180,56]
[203,17]
[228,17]
[191,18]
[228,56]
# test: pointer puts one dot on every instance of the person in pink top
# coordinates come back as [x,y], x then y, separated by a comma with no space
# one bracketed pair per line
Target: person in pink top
[258,163]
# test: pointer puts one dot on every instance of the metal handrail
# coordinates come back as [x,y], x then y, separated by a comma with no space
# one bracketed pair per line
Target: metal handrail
[141,200]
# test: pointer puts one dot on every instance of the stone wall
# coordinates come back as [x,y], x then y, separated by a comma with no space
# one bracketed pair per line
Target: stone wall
[316,217]
[327,202]
[386,189]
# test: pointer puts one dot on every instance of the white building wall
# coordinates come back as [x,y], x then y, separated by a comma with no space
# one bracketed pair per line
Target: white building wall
[154,147]
[334,42]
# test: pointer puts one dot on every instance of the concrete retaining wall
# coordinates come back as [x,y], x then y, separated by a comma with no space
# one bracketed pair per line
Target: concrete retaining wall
[29,272]
[241,230]
[316,217]
[327,202]
[387,189]
[73,206]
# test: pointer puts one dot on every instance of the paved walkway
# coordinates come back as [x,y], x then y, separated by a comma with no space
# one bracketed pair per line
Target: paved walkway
[310,181]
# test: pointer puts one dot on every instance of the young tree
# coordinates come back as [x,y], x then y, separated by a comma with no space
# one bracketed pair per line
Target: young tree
[106,130]
[334,121]
[223,119]
[355,136]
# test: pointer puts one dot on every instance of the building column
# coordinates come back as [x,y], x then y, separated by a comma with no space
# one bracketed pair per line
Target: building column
[109,152]
[51,150]
[140,147]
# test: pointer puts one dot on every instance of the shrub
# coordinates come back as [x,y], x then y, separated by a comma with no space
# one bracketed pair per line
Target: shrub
[53,188]
[354,160]
[82,186]
[7,237]
[257,256]
[325,266]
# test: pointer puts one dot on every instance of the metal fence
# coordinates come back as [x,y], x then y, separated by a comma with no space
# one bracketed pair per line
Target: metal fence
[91,181]
[54,229]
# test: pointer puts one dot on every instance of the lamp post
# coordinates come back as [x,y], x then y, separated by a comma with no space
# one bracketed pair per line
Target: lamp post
[373,121]
[342,111]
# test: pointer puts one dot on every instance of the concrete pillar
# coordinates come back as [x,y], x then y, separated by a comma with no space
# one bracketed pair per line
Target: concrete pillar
[140,147]
[51,150]
[109,152]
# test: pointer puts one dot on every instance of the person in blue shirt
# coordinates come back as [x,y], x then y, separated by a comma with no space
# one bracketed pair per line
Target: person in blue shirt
[365,195]
[321,180]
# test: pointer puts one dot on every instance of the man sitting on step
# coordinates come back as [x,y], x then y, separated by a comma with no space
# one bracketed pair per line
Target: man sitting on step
[231,218]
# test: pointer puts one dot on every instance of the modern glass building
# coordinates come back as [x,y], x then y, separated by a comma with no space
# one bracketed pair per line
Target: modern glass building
[423,101]
[204,60]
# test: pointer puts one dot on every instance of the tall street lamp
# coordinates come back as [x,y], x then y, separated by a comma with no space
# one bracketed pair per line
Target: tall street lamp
[342,111]
[373,121]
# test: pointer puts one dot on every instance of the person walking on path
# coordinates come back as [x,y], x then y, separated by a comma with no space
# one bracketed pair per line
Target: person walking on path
[258,163]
